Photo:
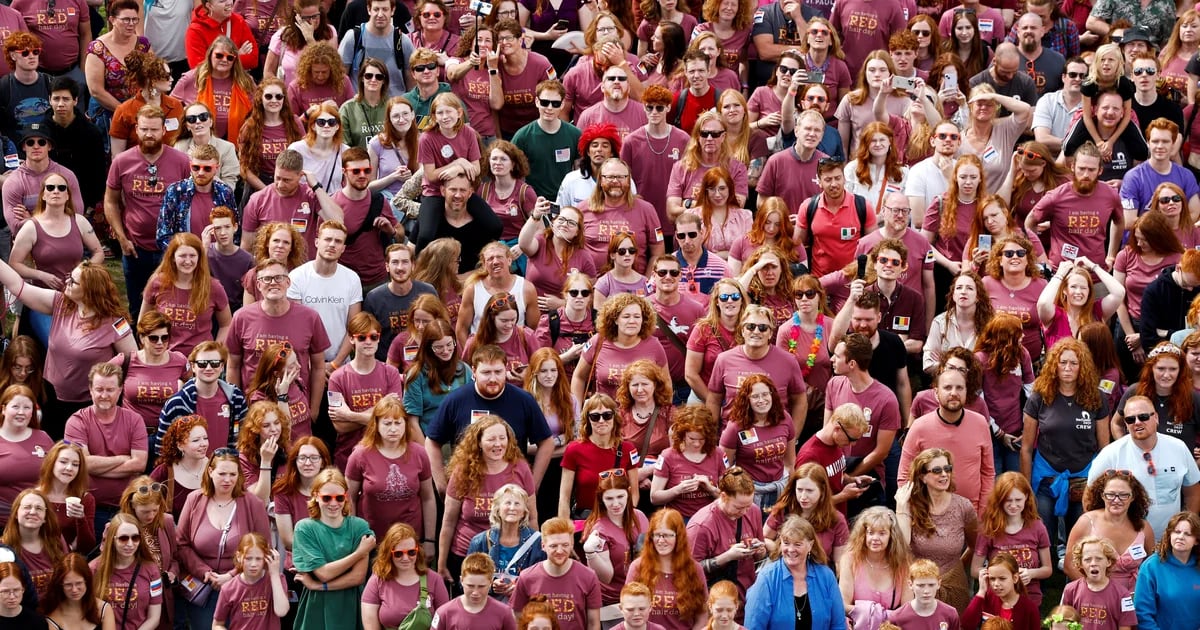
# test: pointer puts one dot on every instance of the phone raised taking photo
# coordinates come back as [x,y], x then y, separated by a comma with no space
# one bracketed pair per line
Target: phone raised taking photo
[907,84]
[815,76]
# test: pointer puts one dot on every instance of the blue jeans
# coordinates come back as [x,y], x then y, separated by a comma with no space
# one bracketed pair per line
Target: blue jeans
[1005,459]
[137,275]
[1045,506]
[201,616]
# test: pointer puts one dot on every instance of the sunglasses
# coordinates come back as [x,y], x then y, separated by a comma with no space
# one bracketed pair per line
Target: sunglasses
[56,187]
[937,470]
[1170,199]
[849,438]
[272,96]
[729,297]
[808,294]
[579,292]
[220,56]
[787,71]
[129,538]
[686,235]
[816,99]
[1137,72]
[1029,155]
[663,273]
[40,142]
[364,170]
[158,338]
[657,108]
[1141,417]
[758,327]
[326,122]
[545,102]
[947,136]
[203,168]
[1015,253]
[373,76]
[208,363]
[596,416]
[830,161]
[626,251]
[225,451]
[195,118]
[31,51]
[1146,457]
[922,33]
[616,79]
[425,67]
[1076,75]
[431,14]
[615,472]
[889,261]
[333,498]
[156,488]
[404,553]
[372,336]
[712,134]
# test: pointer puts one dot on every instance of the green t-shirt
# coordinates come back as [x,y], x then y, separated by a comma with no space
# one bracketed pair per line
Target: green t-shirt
[316,544]
[551,156]
[360,121]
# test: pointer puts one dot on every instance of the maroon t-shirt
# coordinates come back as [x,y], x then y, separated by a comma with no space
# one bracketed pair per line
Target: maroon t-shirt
[675,468]
[650,161]
[919,258]
[631,117]
[247,605]
[520,93]
[1078,224]
[546,270]
[1023,304]
[148,387]
[712,533]
[733,367]
[142,186]
[360,392]
[610,361]
[147,591]
[188,328]
[21,463]
[663,608]
[829,456]
[679,318]
[391,488]
[436,149]
[1025,545]
[617,545]
[954,246]
[396,600]
[599,227]
[786,175]
[125,434]
[944,617]
[759,450]
[879,406]
[217,411]
[572,595]
[494,616]
[512,210]
[365,255]
[474,517]
[685,183]
[253,330]
[1108,609]
[300,210]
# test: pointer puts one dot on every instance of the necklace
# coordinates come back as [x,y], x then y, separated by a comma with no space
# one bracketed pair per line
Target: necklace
[666,144]
[223,505]
[800,603]
[643,416]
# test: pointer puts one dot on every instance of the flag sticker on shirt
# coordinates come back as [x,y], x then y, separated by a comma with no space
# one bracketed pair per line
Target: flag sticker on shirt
[986,25]
[990,153]
[893,188]
[410,354]
[759,15]
[901,323]
[12,161]
[929,256]
[634,457]
[478,414]
[156,587]
[848,233]
[1069,251]
[301,225]
[658,234]
[654,463]
[562,155]
[1107,386]
[749,436]
[121,326]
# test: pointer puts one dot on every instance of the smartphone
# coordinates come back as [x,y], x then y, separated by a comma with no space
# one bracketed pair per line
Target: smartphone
[985,242]
[950,78]
[861,272]
[864,484]
[552,214]
[904,83]
[481,7]
[562,25]
[815,76]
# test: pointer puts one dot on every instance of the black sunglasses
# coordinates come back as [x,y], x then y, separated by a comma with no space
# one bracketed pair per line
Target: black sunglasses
[759,327]
[1141,417]
[195,118]
[1015,253]
[600,415]
[663,273]
[579,292]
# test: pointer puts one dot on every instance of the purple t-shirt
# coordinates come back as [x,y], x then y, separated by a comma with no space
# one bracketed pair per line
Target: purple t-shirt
[582,82]
[396,600]
[436,149]
[599,227]
[125,434]
[673,466]
[572,595]
[247,605]
[1078,224]
[303,98]
[148,387]
[474,517]
[142,186]
[733,366]
[10,22]
[391,488]
[188,328]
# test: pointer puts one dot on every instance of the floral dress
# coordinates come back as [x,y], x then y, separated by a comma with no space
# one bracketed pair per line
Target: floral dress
[114,81]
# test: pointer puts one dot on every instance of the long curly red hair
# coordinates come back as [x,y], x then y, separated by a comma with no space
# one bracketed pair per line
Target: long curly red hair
[1180,398]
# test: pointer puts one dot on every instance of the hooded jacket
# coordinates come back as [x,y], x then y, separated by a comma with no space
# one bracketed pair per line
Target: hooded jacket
[204,30]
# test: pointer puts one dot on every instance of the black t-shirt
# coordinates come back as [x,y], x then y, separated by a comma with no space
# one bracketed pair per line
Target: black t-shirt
[888,359]
[1128,149]
[1185,430]
[28,618]
[392,311]
[1160,108]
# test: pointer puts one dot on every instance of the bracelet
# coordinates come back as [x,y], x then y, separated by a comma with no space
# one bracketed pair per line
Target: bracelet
[281,398]
[264,468]
[427,540]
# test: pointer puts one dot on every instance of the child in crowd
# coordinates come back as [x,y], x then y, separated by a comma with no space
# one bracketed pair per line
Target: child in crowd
[249,600]
[925,612]
[1102,603]
[635,608]
[474,610]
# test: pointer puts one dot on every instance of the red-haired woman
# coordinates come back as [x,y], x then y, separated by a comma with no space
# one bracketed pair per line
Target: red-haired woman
[145,500]
[183,289]
[1164,381]
[355,387]
[64,474]
[32,532]
[422,310]
[293,487]
[554,252]
[435,371]
[72,601]
[618,275]
[758,438]
[612,531]
[723,220]
[772,226]
[182,460]
[323,145]
[1010,524]
[1153,245]
[1033,174]
[23,445]
[548,381]
[1007,370]
[155,373]
[1014,284]
[275,379]
[390,451]
[566,329]
[877,167]
[1069,300]
[808,494]
[125,572]
[667,567]
[599,449]
[399,578]
[499,326]
[263,442]
[948,221]
[686,475]
[269,128]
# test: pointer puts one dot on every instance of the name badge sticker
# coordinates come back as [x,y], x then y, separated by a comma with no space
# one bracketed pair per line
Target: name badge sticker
[172,124]
[1137,552]
[447,151]
[1127,603]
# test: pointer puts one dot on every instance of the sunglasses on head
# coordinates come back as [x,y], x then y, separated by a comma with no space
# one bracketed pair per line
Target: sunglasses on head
[751,327]
[40,142]
[663,273]
[56,188]
[830,161]
[579,292]
[1015,253]
[203,168]
[333,498]
[594,416]
[326,122]
[208,363]
[729,297]
[373,336]
[156,488]
[1029,155]
[195,118]
[425,67]
[226,451]
[1170,199]
[404,553]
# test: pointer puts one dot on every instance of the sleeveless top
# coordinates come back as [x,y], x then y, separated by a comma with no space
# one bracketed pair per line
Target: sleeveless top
[1125,571]
[57,255]
[482,296]
[114,67]
[890,600]
[103,606]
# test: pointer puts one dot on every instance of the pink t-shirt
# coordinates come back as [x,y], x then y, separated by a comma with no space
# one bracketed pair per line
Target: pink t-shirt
[582,82]
[663,609]
[838,535]
[879,406]
[857,117]
[786,175]
[954,246]
[494,616]
[391,488]
[125,434]
[1025,545]
[1078,224]
[679,318]
[148,387]
[735,45]
[58,26]
[919,259]
[188,328]
[21,462]
[721,237]
[1023,304]
[866,25]
[650,161]
[436,149]
[612,361]
[252,330]
[365,255]
[10,22]
[360,392]
[546,272]
[147,591]
[599,227]
[631,117]
[474,517]
[765,102]
[970,445]
[473,89]
[142,185]
[512,210]
[822,368]
[673,466]
[1138,274]
[289,58]
[303,98]
[73,350]
[247,605]
[396,600]
[573,594]
[732,367]
[520,92]
[712,533]
[759,450]
[617,545]
[685,182]
[1109,609]
[991,23]
[300,210]
[709,342]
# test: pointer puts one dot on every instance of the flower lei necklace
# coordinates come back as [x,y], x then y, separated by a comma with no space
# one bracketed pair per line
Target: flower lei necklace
[794,340]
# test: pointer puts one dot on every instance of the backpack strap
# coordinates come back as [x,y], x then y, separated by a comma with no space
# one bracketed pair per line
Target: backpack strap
[375,211]
[810,213]
[555,322]
[860,206]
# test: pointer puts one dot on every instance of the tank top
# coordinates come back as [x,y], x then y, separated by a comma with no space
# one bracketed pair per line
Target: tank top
[864,591]
[482,296]
[57,255]
[1125,571]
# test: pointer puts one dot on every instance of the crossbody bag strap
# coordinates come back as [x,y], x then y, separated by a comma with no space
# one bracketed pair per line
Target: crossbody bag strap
[523,549]
[649,434]
[423,600]
[137,568]
[224,537]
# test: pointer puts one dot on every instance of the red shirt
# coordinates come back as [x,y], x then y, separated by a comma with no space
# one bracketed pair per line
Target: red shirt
[835,233]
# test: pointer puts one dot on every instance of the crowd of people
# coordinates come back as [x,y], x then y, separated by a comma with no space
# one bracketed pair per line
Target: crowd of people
[583,314]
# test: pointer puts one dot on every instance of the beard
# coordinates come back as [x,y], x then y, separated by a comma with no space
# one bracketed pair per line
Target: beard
[150,145]
[1084,186]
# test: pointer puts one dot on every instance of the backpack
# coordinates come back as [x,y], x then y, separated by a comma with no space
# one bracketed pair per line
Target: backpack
[374,212]
[359,52]
[810,211]
[682,100]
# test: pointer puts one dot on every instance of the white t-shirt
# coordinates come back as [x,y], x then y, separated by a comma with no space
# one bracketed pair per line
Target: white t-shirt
[1174,469]
[330,297]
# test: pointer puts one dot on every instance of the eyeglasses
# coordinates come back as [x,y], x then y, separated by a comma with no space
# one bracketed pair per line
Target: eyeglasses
[12,592]
[617,78]
[1015,253]
[272,96]
[425,67]
[155,488]
[220,56]
[626,251]
[808,294]
[663,273]
[326,122]
[404,553]
[1029,155]
[617,177]
[663,535]
[308,459]
[69,281]
[55,187]
[575,293]
[729,297]
[128,538]
[615,472]
[600,416]
[1076,75]
[506,38]
[657,108]
[937,470]
[1117,496]
[158,338]
[203,168]
[707,133]
[374,76]
[565,221]
[1171,199]
[787,71]
[362,170]
[276,279]
[898,209]
[816,99]
[849,438]
[966,11]
[751,327]
[198,118]
[947,136]
[40,142]
[888,261]
[316,17]
[31,51]
[446,347]
[553,104]
[1137,72]
[372,336]
[208,363]
[333,498]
